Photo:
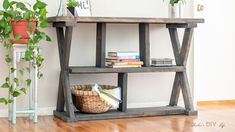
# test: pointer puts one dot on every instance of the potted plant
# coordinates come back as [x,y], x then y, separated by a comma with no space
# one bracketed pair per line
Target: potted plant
[175,9]
[71,4]
[25,22]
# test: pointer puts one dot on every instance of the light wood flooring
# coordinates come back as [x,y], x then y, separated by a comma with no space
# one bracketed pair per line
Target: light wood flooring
[212,117]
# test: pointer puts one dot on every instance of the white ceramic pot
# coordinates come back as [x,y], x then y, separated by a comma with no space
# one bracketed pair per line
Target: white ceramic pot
[175,11]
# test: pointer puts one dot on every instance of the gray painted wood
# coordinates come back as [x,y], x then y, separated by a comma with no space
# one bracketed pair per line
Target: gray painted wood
[130,113]
[60,96]
[144,44]
[175,45]
[64,24]
[181,56]
[65,74]
[188,33]
[122,83]
[188,102]
[91,70]
[175,91]
[100,44]
[127,20]
[187,25]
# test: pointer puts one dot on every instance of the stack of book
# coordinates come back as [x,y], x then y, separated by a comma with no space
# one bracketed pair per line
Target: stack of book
[123,59]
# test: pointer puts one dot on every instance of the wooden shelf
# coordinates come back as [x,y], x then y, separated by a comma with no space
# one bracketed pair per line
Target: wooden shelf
[130,113]
[90,70]
[64,28]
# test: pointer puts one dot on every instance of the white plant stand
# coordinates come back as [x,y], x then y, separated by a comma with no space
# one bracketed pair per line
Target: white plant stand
[18,54]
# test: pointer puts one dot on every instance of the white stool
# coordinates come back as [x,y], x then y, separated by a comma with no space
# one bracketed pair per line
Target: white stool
[18,54]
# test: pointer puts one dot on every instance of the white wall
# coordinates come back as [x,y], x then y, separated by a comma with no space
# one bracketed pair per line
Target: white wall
[144,89]
[214,51]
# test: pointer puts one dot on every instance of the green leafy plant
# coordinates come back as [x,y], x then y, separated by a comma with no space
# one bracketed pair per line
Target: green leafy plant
[72,3]
[13,10]
[173,2]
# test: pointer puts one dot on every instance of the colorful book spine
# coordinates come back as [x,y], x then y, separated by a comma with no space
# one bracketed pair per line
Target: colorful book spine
[124,57]
[125,63]
[126,53]
[122,60]
[125,66]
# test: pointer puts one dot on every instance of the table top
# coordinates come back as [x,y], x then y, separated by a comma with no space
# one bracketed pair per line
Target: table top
[71,19]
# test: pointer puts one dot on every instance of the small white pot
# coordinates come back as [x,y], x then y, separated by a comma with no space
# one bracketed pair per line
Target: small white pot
[175,11]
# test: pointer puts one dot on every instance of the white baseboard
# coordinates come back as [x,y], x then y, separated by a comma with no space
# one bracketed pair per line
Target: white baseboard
[49,110]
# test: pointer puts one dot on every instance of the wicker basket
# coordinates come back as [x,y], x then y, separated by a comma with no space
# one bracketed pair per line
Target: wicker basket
[88,101]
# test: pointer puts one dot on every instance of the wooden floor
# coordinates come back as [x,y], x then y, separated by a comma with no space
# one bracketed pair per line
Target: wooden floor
[212,117]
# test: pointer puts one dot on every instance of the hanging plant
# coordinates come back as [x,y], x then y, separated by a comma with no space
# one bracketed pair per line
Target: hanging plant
[25,22]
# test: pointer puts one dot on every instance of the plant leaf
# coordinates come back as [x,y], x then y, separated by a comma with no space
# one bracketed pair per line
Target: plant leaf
[5,85]
[43,24]
[28,82]
[10,100]
[48,38]
[15,94]
[20,5]
[7,79]
[6,4]
[39,5]
[3,23]
[16,81]
[3,100]
[8,29]
[43,12]
[17,36]
[9,46]
[24,90]
[8,59]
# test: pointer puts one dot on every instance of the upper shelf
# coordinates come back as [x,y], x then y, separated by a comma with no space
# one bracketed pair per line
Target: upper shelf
[125,20]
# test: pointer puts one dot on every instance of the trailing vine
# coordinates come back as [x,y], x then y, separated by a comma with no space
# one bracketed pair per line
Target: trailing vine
[13,10]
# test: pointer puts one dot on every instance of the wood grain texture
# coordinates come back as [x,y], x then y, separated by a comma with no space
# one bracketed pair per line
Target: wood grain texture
[100,44]
[144,43]
[130,113]
[175,90]
[60,96]
[91,70]
[70,19]
[219,113]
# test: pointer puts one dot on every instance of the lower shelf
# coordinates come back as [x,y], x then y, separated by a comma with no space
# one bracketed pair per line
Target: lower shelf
[130,113]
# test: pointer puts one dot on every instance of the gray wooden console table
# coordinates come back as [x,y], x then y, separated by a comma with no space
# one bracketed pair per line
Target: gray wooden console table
[64,28]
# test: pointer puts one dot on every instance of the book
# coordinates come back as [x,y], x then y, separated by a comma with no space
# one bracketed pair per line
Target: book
[125,66]
[124,57]
[125,63]
[121,60]
[123,53]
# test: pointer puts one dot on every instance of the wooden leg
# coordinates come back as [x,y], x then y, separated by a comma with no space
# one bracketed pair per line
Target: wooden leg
[65,73]
[175,91]
[186,92]
[122,83]
[68,95]
[181,56]
[100,44]
[175,45]
[64,93]
[60,97]
[144,43]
